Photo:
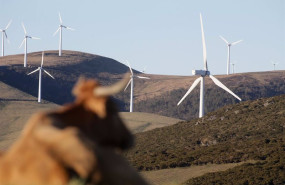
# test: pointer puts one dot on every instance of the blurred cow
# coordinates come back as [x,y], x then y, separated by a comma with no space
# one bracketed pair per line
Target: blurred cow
[56,145]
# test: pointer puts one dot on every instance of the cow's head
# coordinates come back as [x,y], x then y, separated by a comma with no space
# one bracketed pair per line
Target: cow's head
[102,123]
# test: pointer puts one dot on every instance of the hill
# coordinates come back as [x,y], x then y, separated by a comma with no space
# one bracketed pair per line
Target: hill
[158,95]
[16,107]
[251,130]
[161,94]
[66,70]
[141,122]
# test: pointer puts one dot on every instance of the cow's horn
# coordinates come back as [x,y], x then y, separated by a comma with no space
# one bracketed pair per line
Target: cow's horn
[113,89]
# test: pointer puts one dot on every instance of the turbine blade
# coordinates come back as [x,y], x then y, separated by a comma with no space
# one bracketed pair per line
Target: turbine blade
[35,38]
[8,24]
[48,74]
[218,83]
[69,28]
[56,31]
[24,28]
[204,45]
[234,43]
[42,59]
[22,43]
[224,39]
[8,41]
[143,77]
[5,34]
[190,89]
[34,71]
[60,20]
[128,85]
[130,67]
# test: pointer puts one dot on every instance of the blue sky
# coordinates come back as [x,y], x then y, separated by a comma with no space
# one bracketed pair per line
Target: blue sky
[163,35]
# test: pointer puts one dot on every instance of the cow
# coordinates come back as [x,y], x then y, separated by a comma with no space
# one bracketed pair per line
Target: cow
[79,139]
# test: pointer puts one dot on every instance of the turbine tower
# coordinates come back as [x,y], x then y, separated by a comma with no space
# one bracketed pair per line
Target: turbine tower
[233,64]
[132,85]
[60,33]
[274,64]
[203,73]
[4,33]
[40,69]
[229,51]
[25,41]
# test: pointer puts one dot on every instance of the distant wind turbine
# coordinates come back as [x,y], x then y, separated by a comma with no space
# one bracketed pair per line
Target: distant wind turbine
[132,86]
[40,69]
[233,64]
[274,64]
[4,33]
[203,74]
[60,33]
[229,52]
[25,41]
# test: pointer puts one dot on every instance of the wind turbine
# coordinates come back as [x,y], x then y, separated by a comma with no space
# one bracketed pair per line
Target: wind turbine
[60,33]
[233,64]
[203,74]
[229,50]
[40,69]
[132,85]
[274,64]
[4,33]
[25,41]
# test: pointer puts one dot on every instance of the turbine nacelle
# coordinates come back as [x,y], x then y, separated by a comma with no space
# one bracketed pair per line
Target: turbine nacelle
[201,72]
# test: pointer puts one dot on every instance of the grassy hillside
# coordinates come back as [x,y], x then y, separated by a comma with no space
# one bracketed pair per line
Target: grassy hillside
[140,121]
[66,70]
[158,95]
[249,130]
[248,86]
[16,107]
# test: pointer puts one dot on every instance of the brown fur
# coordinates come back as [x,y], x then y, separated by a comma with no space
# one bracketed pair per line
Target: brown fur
[55,143]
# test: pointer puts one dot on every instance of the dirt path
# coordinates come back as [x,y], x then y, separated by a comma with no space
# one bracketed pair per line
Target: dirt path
[179,175]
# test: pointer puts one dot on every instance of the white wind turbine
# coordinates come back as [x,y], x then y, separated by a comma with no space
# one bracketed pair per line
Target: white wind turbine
[4,33]
[274,64]
[132,85]
[233,64]
[25,41]
[203,74]
[60,34]
[40,69]
[229,51]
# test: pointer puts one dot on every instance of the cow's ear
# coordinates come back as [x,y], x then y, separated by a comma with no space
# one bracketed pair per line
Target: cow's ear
[78,86]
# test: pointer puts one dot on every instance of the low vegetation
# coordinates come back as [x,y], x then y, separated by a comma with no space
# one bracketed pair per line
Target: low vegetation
[268,172]
[249,130]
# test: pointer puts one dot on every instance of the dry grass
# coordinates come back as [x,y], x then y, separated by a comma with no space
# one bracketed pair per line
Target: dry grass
[140,122]
[179,175]
[16,107]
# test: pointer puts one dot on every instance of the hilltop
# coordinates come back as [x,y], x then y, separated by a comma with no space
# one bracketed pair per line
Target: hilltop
[158,95]
[251,130]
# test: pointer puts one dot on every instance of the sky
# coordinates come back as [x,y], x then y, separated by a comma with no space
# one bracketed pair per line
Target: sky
[162,35]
